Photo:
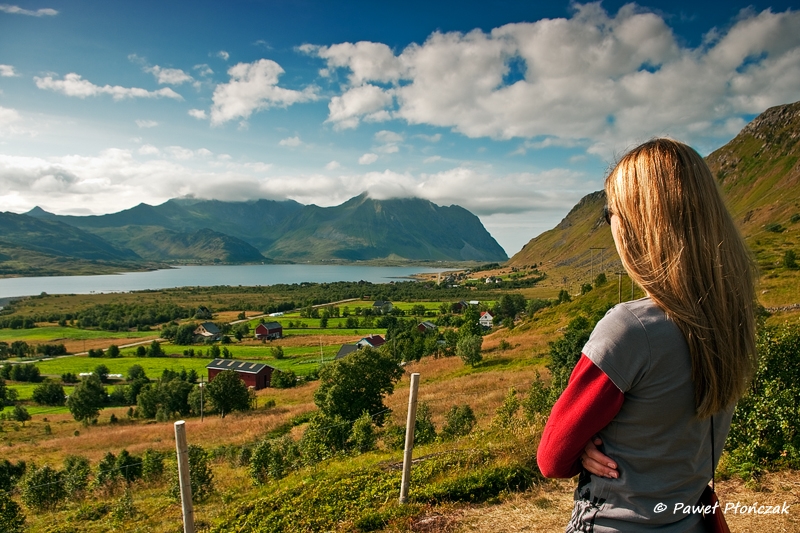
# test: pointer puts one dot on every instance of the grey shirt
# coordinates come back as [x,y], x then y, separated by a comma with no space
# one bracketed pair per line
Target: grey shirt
[662,449]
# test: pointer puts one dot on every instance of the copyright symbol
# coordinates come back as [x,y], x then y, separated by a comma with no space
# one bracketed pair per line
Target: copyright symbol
[660,507]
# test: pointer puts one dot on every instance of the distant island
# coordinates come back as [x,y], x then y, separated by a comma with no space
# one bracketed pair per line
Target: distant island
[394,231]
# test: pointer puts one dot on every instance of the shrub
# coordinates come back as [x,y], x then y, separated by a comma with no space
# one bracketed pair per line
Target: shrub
[200,474]
[764,431]
[12,519]
[362,436]
[424,430]
[774,227]
[10,473]
[284,379]
[540,400]
[152,465]
[277,352]
[107,474]
[600,280]
[129,466]
[566,351]
[42,488]
[506,413]
[76,475]
[790,260]
[273,459]
[69,377]
[20,414]
[459,421]
[394,437]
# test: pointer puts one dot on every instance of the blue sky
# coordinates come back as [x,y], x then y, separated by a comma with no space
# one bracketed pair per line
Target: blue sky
[511,109]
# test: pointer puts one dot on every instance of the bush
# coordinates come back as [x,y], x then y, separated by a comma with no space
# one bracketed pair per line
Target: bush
[277,352]
[10,473]
[12,519]
[566,351]
[459,421]
[764,432]
[107,474]
[540,400]
[774,227]
[20,414]
[284,379]
[273,459]
[362,436]
[42,488]
[129,466]
[202,478]
[152,465]
[394,437]
[424,430]
[790,260]
[505,416]
[76,475]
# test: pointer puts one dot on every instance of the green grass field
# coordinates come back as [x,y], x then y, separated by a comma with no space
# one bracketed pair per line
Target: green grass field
[54,334]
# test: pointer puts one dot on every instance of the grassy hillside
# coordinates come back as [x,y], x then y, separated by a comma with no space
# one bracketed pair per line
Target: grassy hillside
[759,172]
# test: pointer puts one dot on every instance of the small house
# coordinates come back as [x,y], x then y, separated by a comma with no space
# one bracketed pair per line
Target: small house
[486,319]
[269,330]
[426,326]
[208,331]
[371,341]
[381,307]
[256,375]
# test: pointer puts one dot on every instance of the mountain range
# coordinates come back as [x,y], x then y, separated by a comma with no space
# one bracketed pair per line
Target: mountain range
[195,230]
[759,174]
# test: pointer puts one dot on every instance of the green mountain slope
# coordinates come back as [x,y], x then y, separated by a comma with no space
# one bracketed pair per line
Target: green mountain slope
[363,228]
[759,173]
[359,229]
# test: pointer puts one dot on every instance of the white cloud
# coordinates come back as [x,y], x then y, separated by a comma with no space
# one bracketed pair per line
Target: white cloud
[592,78]
[386,136]
[430,138]
[7,71]
[333,165]
[16,10]
[291,141]
[73,85]
[146,123]
[223,55]
[9,121]
[198,114]
[203,70]
[363,101]
[367,159]
[171,76]
[432,159]
[253,87]
[148,149]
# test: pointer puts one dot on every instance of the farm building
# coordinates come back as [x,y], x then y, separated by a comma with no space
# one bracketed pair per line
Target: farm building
[208,330]
[424,327]
[256,375]
[346,350]
[486,319]
[381,307]
[371,341]
[269,330]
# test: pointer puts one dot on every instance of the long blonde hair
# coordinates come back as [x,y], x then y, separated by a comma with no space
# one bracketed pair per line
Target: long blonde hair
[678,241]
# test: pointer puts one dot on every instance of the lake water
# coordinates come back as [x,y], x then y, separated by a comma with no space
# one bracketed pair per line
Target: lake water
[205,276]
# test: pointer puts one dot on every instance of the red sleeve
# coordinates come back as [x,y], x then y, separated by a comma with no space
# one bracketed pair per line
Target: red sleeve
[589,403]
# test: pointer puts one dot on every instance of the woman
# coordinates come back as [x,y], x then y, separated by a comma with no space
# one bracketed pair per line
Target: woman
[636,418]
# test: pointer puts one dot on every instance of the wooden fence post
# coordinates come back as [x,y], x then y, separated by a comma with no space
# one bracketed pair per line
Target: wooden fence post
[183,476]
[410,423]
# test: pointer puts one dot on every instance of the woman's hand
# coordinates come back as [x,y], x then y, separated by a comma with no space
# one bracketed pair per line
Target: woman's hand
[596,461]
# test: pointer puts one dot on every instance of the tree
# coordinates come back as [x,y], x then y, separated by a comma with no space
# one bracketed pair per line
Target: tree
[468,349]
[141,351]
[155,350]
[87,399]
[3,394]
[76,474]
[184,335]
[424,430]
[113,351]
[471,326]
[227,393]
[362,436]
[102,371]
[136,372]
[20,414]
[200,475]
[277,352]
[357,383]
[566,351]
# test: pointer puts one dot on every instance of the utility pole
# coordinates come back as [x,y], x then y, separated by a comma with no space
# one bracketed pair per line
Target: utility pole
[619,285]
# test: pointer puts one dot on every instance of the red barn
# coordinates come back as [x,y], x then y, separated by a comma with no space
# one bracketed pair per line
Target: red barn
[256,375]
[269,330]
